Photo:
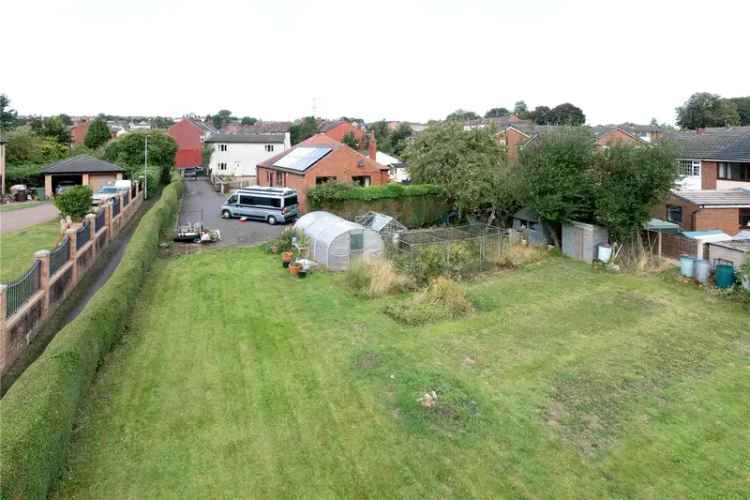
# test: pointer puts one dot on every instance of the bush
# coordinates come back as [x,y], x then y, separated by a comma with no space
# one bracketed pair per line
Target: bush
[75,202]
[376,279]
[40,409]
[453,260]
[339,191]
[284,242]
[443,299]
[520,255]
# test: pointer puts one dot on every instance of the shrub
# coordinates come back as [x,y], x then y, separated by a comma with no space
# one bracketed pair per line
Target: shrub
[443,299]
[40,409]
[520,255]
[75,202]
[284,242]
[376,279]
[454,259]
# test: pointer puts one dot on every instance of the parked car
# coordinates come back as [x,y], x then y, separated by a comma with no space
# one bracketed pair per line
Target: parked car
[109,191]
[273,205]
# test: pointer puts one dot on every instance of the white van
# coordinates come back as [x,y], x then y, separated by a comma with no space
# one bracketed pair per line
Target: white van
[270,204]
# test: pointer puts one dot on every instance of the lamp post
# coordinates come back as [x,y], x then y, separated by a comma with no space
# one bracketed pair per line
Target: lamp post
[145,170]
[2,162]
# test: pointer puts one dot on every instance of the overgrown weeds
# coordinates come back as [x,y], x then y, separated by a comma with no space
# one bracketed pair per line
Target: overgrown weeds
[443,299]
[517,256]
[376,278]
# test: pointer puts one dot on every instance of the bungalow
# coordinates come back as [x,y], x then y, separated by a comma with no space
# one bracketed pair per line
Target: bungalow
[320,159]
[80,170]
[238,154]
[189,134]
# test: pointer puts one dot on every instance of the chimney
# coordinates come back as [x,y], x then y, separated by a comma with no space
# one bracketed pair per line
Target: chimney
[372,146]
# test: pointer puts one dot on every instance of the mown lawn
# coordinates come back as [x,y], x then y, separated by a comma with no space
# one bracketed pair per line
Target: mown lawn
[17,247]
[238,381]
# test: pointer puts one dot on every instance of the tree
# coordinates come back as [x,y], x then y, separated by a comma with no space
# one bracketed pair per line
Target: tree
[8,116]
[98,134]
[399,139]
[468,164]
[555,171]
[303,129]
[497,113]
[521,110]
[248,120]
[66,119]
[26,147]
[221,118]
[382,133]
[74,203]
[743,109]
[161,122]
[462,116]
[703,109]
[350,140]
[566,114]
[540,115]
[128,152]
[53,127]
[628,181]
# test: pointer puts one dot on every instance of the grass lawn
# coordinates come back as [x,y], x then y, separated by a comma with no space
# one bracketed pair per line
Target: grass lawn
[9,207]
[238,381]
[17,248]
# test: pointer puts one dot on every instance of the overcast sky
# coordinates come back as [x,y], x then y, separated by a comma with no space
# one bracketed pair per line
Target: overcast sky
[399,60]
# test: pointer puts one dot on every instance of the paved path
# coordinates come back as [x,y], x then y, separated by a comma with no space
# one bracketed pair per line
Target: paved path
[25,217]
[200,198]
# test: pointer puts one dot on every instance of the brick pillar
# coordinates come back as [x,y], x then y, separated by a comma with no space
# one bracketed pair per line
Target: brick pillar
[43,257]
[108,220]
[91,219]
[73,254]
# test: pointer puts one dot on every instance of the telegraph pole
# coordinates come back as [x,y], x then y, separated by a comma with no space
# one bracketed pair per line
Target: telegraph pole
[145,170]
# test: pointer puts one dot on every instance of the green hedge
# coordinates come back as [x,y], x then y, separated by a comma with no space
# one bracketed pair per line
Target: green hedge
[413,205]
[39,411]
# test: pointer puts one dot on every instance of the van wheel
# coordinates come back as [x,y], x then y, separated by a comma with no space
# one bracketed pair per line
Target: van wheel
[226,214]
[271,220]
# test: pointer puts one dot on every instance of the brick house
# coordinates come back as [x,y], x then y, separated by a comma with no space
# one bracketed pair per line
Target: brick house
[338,129]
[321,159]
[728,210]
[189,134]
[79,130]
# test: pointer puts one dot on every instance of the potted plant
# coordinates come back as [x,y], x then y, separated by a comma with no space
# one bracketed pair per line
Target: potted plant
[294,268]
[286,258]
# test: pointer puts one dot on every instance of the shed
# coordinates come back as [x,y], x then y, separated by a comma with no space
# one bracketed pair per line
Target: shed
[80,170]
[527,221]
[336,242]
[382,223]
[579,240]
[705,237]
[736,251]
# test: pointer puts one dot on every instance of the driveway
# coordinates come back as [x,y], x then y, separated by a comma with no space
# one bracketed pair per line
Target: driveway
[25,217]
[201,202]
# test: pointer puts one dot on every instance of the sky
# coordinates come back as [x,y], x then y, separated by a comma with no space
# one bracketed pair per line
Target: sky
[398,60]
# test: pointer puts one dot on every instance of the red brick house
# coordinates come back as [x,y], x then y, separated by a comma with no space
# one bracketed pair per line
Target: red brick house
[728,211]
[79,130]
[338,129]
[189,135]
[321,159]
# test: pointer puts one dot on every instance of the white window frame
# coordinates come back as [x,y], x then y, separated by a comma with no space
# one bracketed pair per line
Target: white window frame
[222,147]
[222,166]
[269,148]
[689,168]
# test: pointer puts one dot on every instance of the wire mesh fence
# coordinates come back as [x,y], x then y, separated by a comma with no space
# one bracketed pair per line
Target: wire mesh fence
[82,236]
[21,290]
[59,256]
[115,206]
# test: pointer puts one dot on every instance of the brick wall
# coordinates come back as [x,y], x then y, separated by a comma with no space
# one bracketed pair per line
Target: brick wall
[513,141]
[709,174]
[695,218]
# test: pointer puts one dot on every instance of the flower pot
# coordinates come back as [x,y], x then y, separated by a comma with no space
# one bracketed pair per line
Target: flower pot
[294,269]
[287,256]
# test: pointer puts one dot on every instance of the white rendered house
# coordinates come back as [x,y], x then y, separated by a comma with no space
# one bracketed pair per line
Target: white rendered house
[237,154]
[398,171]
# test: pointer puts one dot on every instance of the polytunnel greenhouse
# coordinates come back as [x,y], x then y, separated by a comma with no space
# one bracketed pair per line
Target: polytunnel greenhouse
[336,242]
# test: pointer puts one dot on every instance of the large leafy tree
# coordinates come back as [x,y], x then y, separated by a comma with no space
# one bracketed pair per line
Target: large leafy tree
[399,138]
[303,129]
[743,108]
[350,140]
[468,164]
[704,109]
[520,109]
[248,120]
[26,147]
[221,118]
[8,115]
[628,180]
[161,122]
[129,152]
[53,127]
[98,134]
[462,115]
[555,175]
[540,115]
[497,113]
[566,114]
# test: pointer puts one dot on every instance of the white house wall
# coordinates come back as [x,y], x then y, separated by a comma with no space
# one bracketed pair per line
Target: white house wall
[241,158]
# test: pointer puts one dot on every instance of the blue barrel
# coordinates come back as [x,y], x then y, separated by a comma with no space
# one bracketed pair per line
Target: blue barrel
[724,276]
[687,263]
[702,270]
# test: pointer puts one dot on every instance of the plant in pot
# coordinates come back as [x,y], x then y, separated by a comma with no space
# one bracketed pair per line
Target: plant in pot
[286,258]
[294,268]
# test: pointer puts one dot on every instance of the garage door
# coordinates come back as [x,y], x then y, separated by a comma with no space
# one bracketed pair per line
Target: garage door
[99,180]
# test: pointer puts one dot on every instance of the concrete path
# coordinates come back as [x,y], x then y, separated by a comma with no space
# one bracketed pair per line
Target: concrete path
[201,201]
[25,217]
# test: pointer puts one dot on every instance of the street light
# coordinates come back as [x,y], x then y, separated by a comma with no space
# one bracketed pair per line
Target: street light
[2,162]
[145,171]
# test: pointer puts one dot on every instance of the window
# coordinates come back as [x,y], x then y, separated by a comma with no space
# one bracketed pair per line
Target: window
[222,147]
[689,168]
[734,171]
[290,201]
[222,166]
[357,241]
[361,180]
[259,201]
[323,180]
[246,200]
[269,148]
[674,214]
[232,200]
[280,179]
[745,217]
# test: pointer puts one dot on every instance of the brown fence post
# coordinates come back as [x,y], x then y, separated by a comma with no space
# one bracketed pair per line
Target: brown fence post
[73,253]
[108,220]
[43,257]
[3,333]
[91,218]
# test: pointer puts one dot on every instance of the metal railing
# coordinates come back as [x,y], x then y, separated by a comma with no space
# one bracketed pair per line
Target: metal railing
[100,221]
[59,256]
[83,236]
[20,291]
[115,206]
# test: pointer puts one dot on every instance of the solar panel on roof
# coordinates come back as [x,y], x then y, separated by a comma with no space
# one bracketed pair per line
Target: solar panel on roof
[301,158]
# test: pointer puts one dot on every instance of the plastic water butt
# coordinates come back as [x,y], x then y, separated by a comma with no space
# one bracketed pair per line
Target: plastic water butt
[702,270]
[687,263]
[724,276]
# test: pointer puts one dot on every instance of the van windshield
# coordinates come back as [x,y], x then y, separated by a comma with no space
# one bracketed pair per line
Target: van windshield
[231,200]
[290,200]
